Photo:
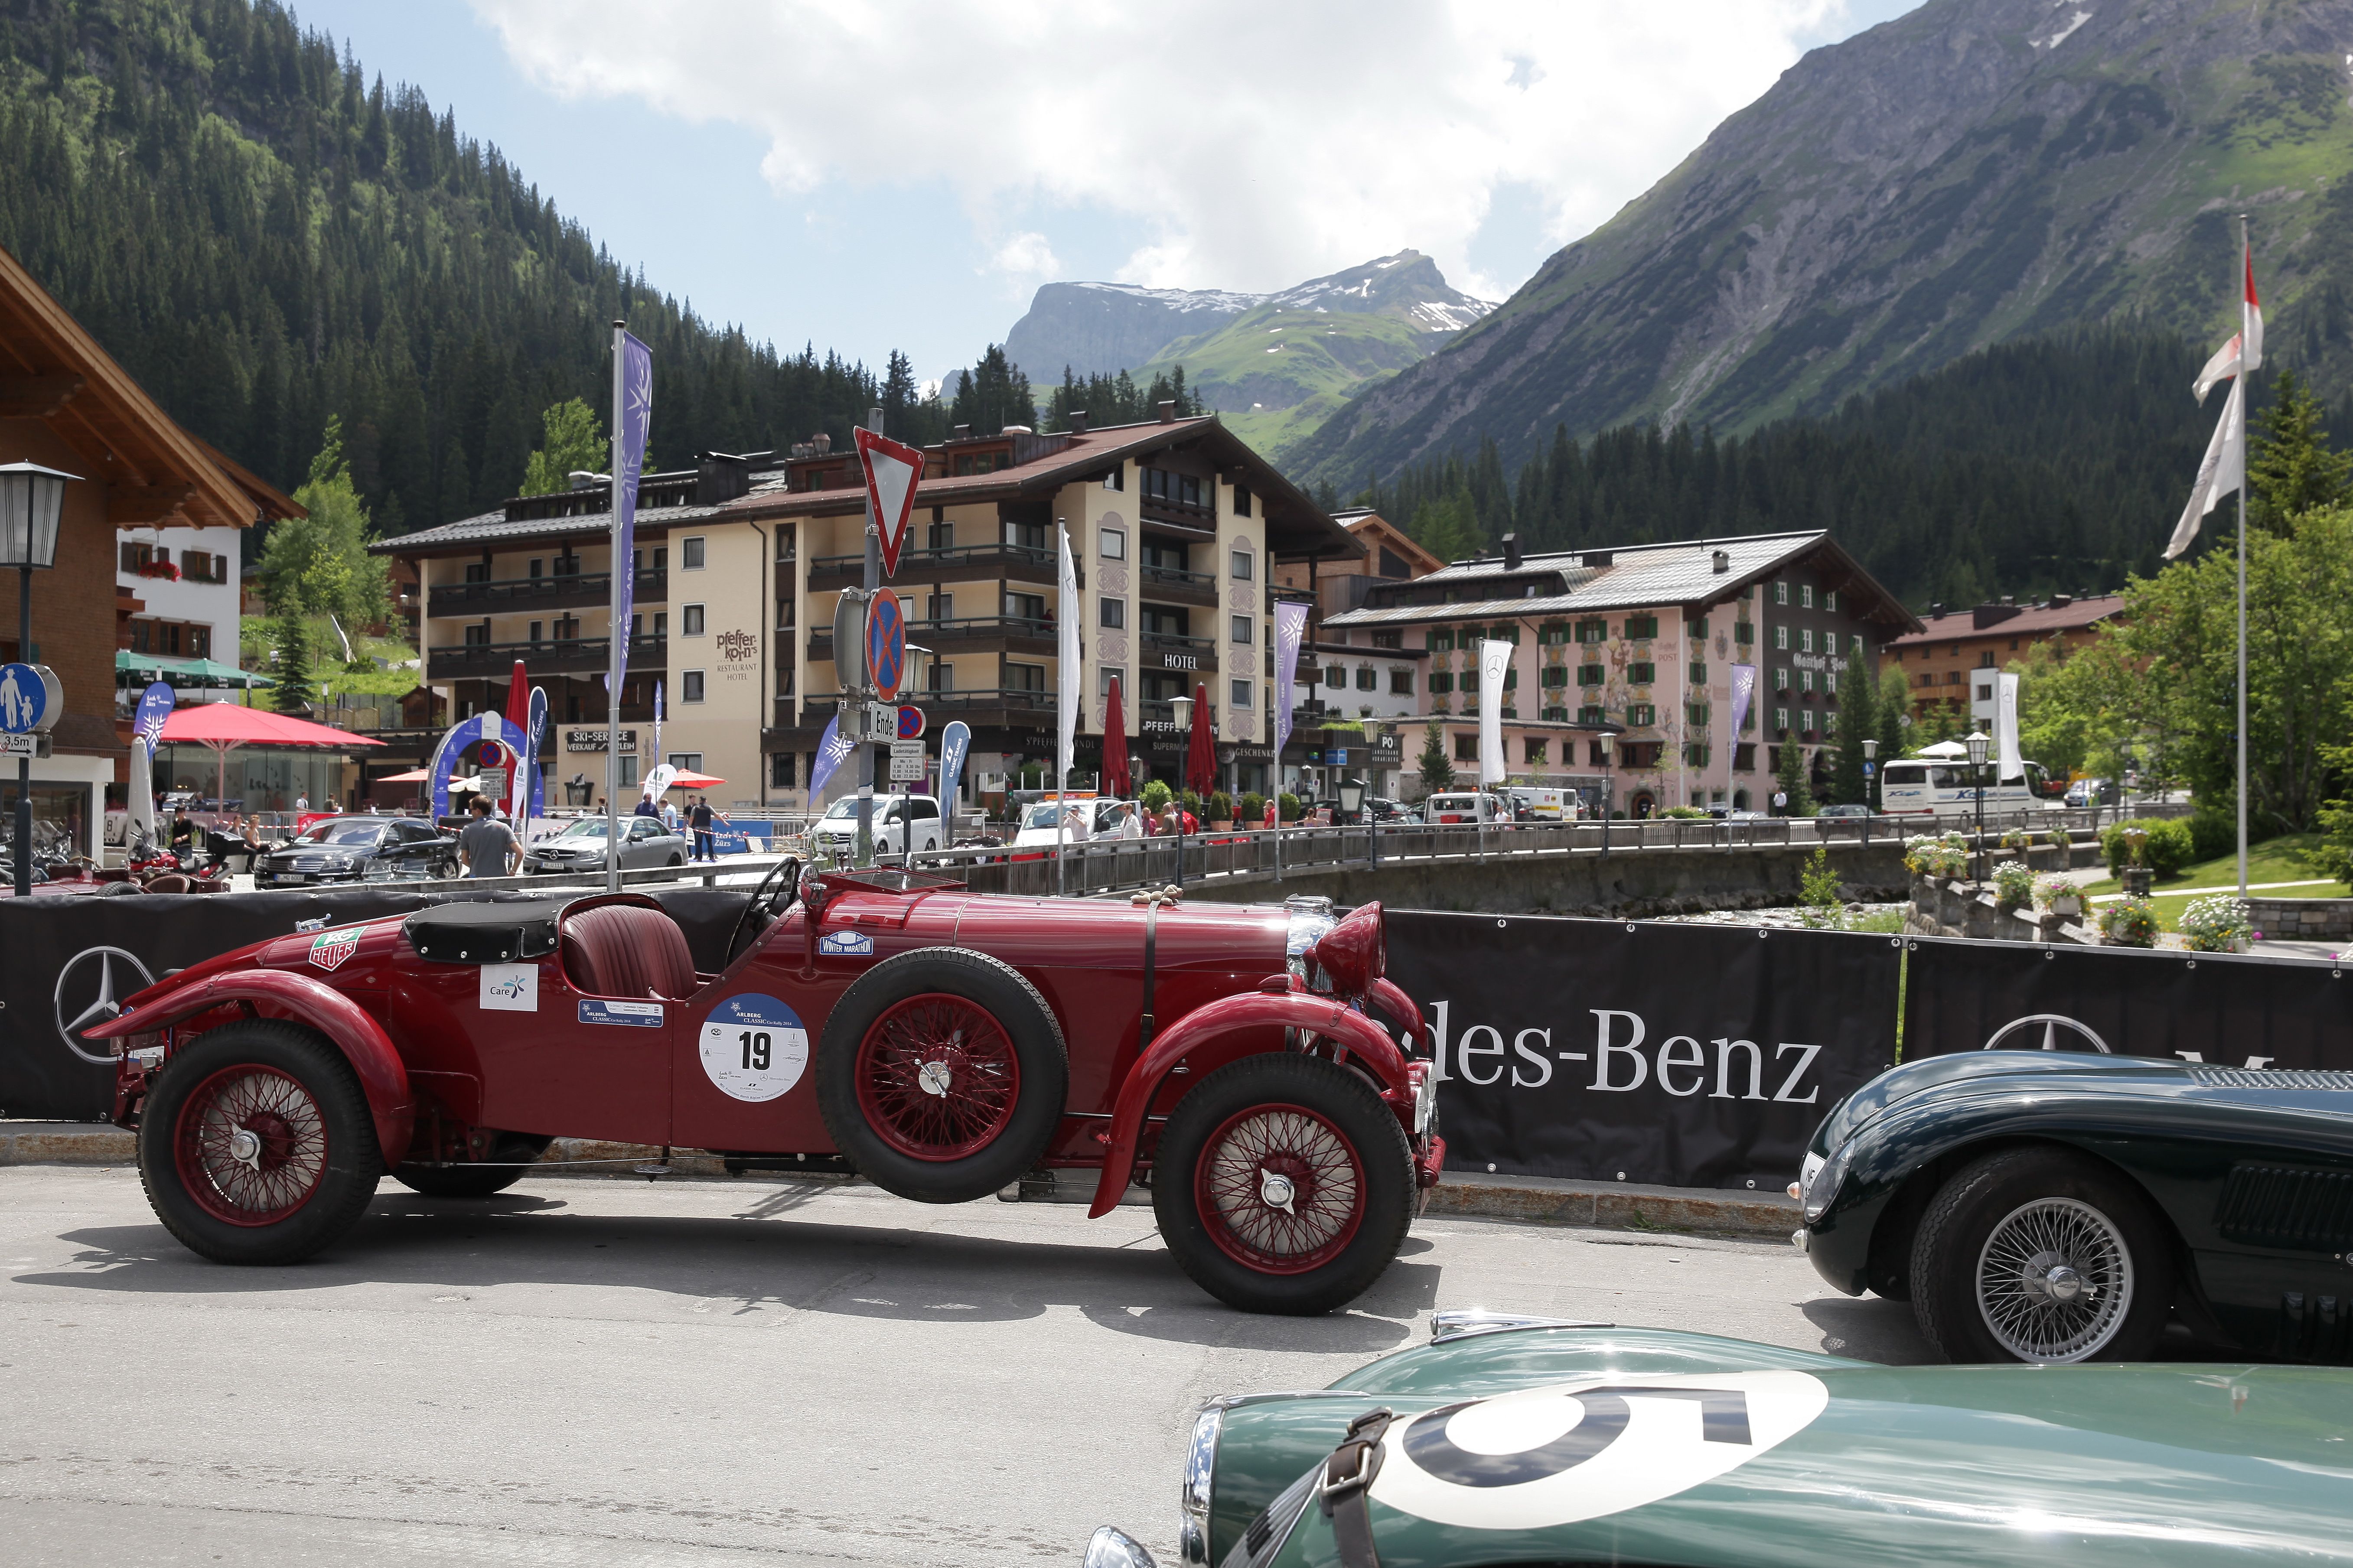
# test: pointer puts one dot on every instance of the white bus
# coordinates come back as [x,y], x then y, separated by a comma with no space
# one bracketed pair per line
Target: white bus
[1923,786]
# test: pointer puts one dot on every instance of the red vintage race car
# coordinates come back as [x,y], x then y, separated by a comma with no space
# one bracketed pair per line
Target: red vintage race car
[945,1045]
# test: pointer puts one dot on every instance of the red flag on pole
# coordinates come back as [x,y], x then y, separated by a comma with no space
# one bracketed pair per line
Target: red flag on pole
[1115,765]
[1201,761]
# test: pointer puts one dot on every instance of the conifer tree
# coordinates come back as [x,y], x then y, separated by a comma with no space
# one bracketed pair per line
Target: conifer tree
[1437,768]
[290,663]
[1789,779]
[1858,719]
[2290,469]
[573,440]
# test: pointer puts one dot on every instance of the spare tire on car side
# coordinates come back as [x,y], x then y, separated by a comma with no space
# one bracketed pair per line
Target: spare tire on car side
[942,1075]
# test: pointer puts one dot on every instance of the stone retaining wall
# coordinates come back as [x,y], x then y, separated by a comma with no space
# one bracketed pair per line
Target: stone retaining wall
[1943,907]
[1629,884]
[2302,920]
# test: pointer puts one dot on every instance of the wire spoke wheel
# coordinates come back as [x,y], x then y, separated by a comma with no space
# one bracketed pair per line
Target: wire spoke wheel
[2055,1280]
[1279,1188]
[937,1076]
[250,1146]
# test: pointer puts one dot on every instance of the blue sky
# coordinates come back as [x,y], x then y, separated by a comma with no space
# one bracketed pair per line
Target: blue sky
[868,177]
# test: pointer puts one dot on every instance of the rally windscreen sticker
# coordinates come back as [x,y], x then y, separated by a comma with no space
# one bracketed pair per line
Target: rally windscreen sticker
[753,1047]
[1542,1458]
[641,1015]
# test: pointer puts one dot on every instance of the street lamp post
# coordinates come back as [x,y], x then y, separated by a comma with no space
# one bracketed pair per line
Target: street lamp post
[1608,744]
[1978,743]
[1352,800]
[1869,769]
[1183,707]
[1375,730]
[31,499]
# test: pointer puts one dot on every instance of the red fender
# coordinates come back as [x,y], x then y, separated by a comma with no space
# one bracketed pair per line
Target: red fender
[1391,998]
[1251,1009]
[358,1036]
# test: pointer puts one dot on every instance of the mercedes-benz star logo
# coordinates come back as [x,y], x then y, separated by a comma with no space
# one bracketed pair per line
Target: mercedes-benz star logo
[104,1003]
[2055,1025]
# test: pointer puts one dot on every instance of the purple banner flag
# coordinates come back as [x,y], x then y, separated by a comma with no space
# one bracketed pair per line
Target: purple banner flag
[1290,627]
[632,417]
[832,749]
[1744,687]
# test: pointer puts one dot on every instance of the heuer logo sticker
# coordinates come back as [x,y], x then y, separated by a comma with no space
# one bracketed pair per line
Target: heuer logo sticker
[642,1014]
[510,988]
[754,1047]
[846,943]
[330,948]
[1546,1456]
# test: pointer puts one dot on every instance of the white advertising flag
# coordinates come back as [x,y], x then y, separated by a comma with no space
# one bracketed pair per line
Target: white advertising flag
[2223,471]
[1068,687]
[1494,658]
[2005,730]
[1744,687]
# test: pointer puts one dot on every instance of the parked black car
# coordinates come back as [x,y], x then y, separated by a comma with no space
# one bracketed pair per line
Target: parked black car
[2063,1206]
[357,850]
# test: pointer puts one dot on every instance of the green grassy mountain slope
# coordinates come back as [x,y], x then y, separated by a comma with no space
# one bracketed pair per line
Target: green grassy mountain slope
[1276,374]
[1974,171]
[264,239]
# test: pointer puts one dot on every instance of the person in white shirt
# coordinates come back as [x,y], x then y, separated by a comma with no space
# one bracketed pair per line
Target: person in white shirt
[1127,824]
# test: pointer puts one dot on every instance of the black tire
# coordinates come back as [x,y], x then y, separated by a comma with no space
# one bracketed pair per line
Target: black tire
[508,1161]
[1209,1248]
[674,860]
[2050,1209]
[981,1139]
[316,1124]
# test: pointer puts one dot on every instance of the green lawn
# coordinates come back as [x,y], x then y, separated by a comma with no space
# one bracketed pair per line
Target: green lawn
[2282,859]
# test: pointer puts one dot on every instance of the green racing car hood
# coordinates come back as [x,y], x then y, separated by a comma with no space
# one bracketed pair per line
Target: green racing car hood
[1579,1445]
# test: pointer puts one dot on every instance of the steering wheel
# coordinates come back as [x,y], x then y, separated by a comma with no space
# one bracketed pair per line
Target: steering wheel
[770,899]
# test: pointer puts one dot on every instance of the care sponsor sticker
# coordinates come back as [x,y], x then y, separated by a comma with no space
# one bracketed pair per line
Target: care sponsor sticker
[1541,1458]
[330,948]
[642,1014]
[753,1047]
[846,943]
[511,987]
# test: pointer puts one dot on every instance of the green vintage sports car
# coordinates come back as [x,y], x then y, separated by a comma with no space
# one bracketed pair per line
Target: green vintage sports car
[2061,1206]
[1532,1441]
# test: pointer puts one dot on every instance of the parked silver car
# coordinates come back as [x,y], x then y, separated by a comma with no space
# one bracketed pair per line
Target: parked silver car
[581,846]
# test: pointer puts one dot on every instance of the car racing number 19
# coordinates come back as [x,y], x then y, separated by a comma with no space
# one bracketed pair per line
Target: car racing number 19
[753,1047]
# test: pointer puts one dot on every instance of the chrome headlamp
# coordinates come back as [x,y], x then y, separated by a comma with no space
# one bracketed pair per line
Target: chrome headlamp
[1110,1547]
[1823,1186]
[1200,1473]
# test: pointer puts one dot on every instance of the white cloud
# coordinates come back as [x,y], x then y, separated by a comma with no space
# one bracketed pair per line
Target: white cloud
[1257,145]
[1025,259]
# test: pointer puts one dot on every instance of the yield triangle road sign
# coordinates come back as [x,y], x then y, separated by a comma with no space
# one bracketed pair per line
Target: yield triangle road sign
[891,468]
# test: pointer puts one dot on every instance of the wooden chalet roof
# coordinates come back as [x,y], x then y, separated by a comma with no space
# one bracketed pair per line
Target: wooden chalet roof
[53,370]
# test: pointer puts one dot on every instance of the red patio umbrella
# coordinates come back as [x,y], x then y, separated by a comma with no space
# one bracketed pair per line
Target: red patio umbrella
[1115,764]
[1201,759]
[684,780]
[225,726]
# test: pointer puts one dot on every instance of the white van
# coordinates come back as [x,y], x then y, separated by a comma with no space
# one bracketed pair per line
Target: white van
[1531,803]
[1464,809]
[896,817]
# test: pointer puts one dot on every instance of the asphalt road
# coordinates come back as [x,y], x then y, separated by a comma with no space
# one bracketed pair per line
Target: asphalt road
[603,1372]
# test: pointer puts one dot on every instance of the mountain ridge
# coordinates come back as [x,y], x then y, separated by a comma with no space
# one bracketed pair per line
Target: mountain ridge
[1971,173]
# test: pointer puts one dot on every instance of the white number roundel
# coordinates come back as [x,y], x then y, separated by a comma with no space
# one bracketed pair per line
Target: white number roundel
[753,1047]
[1546,1457]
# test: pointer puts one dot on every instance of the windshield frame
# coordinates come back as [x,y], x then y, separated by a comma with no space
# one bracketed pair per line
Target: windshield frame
[355,831]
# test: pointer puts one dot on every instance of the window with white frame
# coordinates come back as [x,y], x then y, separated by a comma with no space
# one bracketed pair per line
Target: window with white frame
[1113,543]
[690,620]
[1242,566]
[1780,593]
[1781,638]
[691,686]
[689,553]
[1242,633]
[1805,595]
[1241,693]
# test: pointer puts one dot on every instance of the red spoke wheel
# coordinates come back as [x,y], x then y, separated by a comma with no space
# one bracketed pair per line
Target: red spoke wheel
[257,1145]
[1283,1183]
[942,1075]
[251,1145]
[937,1076]
[1280,1189]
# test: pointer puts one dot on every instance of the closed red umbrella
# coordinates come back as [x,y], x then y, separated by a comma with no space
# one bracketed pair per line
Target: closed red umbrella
[1115,765]
[1201,759]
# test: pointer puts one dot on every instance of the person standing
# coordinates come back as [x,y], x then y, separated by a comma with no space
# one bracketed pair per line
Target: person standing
[669,815]
[487,847]
[699,819]
[1127,826]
